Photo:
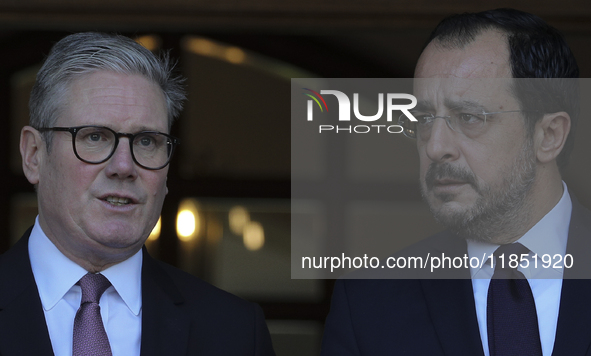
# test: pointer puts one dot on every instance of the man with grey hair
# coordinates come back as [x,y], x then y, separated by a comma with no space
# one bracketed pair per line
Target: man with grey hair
[496,110]
[79,282]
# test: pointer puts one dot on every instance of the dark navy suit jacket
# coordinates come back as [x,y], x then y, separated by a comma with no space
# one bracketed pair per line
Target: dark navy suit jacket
[438,316]
[181,314]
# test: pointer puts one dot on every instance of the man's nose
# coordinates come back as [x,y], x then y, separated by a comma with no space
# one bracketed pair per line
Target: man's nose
[441,144]
[121,164]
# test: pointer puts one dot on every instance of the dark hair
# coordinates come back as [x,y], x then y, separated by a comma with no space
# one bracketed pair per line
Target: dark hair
[537,50]
[81,54]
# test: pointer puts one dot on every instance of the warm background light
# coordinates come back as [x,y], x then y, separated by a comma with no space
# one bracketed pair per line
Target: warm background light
[150,42]
[155,234]
[188,221]
[202,46]
[213,49]
[185,224]
[238,217]
[254,236]
[235,55]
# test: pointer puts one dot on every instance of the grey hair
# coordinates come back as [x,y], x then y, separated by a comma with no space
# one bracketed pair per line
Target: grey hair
[84,53]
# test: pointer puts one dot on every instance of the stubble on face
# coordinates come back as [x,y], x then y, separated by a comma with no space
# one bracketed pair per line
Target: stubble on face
[500,211]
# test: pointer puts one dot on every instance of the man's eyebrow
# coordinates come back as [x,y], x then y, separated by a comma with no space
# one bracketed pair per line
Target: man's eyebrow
[462,105]
[146,128]
[456,105]
[136,130]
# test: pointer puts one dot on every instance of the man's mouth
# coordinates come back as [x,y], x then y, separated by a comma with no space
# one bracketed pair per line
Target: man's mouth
[448,176]
[447,182]
[118,201]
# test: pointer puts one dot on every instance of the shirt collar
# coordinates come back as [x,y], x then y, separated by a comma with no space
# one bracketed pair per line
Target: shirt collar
[547,236]
[126,278]
[55,274]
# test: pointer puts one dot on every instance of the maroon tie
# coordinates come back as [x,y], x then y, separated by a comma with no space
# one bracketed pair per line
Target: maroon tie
[90,337]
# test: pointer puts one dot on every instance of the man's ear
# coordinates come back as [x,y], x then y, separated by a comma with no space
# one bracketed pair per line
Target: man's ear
[550,136]
[31,145]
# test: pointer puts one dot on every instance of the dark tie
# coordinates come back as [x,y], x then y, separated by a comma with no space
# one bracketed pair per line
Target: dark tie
[90,337]
[511,317]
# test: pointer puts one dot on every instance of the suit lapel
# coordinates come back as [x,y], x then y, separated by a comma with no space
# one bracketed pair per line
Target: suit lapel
[451,303]
[24,330]
[453,312]
[165,327]
[573,331]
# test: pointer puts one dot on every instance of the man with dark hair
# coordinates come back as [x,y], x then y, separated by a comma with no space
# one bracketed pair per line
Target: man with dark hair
[500,82]
[79,282]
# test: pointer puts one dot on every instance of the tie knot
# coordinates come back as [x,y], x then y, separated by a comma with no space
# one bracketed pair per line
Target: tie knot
[511,249]
[93,286]
[507,259]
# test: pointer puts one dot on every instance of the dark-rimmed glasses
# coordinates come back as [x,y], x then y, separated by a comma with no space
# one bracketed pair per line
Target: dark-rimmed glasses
[96,144]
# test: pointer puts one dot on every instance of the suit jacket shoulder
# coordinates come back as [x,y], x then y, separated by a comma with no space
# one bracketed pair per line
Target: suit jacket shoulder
[183,315]
[21,313]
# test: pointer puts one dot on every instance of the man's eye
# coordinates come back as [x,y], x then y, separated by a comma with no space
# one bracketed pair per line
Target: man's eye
[471,119]
[95,137]
[146,141]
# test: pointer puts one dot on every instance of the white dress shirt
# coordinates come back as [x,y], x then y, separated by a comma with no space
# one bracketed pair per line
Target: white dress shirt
[547,237]
[121,304]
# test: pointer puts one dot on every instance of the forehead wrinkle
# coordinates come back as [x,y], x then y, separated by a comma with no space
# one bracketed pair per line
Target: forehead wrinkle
[116,100]
[424,105]
[121,97]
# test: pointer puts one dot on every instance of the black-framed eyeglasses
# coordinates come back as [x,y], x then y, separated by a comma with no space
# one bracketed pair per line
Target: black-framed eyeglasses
[470,124]
[96,144]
